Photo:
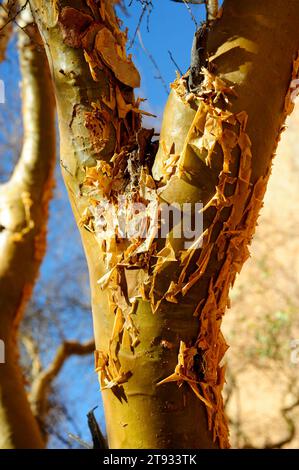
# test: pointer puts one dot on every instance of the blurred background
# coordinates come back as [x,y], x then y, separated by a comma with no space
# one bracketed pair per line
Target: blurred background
[262,390]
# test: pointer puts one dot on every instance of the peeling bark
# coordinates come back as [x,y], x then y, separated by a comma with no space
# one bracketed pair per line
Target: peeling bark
[157,306]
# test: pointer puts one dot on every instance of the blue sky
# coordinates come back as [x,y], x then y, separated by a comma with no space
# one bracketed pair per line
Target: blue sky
[170,28]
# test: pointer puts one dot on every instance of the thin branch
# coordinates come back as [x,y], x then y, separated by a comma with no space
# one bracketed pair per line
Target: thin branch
[7,13]
[174,62]
[232,388]
[12,19]
[58,436]
[79,441]
[12,13]
[291,427]
[33,353]
[137,27]
[5,26]
[151,58]
[147,6]
[192,2]
[191,14]
[185,2]
[41,385]
[211,7]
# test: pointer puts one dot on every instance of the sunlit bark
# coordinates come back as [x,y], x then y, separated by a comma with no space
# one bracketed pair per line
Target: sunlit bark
[158,310]
[24,203]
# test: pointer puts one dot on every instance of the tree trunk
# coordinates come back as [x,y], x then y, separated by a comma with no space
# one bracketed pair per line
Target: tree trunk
[23,216]
[157,304]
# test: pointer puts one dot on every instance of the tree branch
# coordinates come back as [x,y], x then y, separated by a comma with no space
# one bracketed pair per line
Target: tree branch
[211,6]
[291,426]
[153,61]
[32,350]
[38,396]
[7,10]
[24,203]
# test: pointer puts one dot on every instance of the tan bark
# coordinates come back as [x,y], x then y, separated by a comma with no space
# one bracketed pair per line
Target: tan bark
[158,306]
[23,216]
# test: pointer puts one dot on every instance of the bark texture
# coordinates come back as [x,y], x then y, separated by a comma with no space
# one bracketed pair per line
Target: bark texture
[23,216]
[157,305]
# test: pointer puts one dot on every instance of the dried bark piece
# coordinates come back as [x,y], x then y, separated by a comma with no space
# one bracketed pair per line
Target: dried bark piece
[184,373]
[113,56]
[89,36]
[73,23]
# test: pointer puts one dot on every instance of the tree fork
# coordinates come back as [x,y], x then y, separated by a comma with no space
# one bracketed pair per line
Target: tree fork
[157,306]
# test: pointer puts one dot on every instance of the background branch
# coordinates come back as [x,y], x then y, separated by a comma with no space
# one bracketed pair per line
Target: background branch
[24,201]
[41,386]
[7,11]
